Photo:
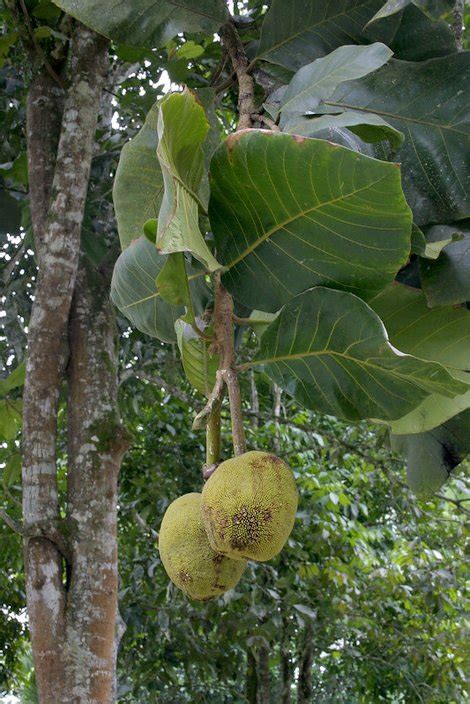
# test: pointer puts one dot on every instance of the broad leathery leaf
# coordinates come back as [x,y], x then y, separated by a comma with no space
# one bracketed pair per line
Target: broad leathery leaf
[435,8]
[172,282]
[438,334]
[431,456]
[295,33]
[138,184]
[370,128]
[420,38]
[319,79]
[11,214]
[199,365]
[14,379]
[182,129]
[289,212]
[330,351]
[134,291]
[146,22]
[427,102]
[446,280]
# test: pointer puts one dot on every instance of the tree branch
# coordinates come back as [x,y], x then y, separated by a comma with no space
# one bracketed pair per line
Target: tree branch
[15,526]
[246,87]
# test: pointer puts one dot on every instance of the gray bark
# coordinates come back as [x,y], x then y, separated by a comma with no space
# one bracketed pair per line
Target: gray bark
[59,173]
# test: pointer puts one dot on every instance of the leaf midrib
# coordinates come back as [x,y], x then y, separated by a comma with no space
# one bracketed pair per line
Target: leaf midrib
[364,363]
[331,18]
[302,213]
[404,118]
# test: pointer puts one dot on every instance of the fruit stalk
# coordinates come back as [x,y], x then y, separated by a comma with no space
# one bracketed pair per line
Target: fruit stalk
[223,327]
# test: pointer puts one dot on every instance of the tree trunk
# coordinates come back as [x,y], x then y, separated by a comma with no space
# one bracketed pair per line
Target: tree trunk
[286,664]
[262,676]
[251,680]
[96,443]
[304,684]
[59,173]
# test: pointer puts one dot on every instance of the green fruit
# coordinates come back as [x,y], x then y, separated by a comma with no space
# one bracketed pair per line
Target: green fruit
[249,505]
[187,557]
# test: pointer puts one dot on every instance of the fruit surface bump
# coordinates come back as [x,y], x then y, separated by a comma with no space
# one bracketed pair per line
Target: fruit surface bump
[190,562]
[249,506]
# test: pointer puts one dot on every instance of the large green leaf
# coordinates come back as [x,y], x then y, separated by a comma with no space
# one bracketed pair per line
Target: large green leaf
[318,80]
[138,183]
[439,334]
[199,364]
[446,280]
[289,212]
[182,129]
[295,33]
[10,209]
[431,456]
[134,291]
[146,22]
[10,417]
[427,102]
[330,351]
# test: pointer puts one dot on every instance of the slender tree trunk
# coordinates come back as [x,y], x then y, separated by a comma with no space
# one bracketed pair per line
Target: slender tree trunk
[59,173]
[304,684]
[262,676]
[251,681]
[286,664]
[96,443]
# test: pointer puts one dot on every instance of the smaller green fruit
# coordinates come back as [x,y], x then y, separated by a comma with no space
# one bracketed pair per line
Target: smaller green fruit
[187,556]
[249,505]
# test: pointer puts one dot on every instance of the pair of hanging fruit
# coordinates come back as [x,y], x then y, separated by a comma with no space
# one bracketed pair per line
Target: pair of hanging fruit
[246,511]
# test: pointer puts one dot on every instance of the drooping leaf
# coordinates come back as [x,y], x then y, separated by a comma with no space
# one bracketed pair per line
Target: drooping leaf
[438,334]
[199,365]
[431,456]
[427,102]
[317,80]
[182,129]
[138,183]
[146,22]
[370,128]
[12,472]
[446,280]
[172,282]
[289,213]
[134,291]
[329,350]
[435,8]
[295,33]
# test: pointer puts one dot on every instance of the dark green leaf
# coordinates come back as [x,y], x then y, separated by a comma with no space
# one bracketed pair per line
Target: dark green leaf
[13,380]
[146,22]
[446,280]
[295,33]
[10,209]
[435,8]
[289,213]
[427,102]
[329,350]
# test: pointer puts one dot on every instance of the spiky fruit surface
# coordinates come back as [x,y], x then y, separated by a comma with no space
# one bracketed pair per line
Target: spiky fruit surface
[249,505]
[190,562]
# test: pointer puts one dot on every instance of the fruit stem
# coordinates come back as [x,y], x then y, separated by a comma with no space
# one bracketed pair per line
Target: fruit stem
[223,328]
[213,436]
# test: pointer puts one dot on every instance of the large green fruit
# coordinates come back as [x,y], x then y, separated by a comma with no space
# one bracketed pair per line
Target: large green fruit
[249,505]
[190,562]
